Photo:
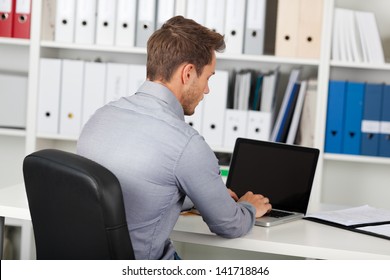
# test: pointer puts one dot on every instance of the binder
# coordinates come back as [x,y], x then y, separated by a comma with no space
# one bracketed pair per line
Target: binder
[234,26]
[136,77]
[93,89]
[289,90]
[269,87]
[196,10]
[334,132]
[370,126]
[214,108]
[287,24]
[215,15]
[6,17]
[85,25]
[270,27]
[71,97]
[165,10]
[125,23]
[65,21]
[259,125]
[353,118]
[22,19]
[13,104]
[384,138]
[105,24]
[49,88]
[116,81]
[292,132]
[255,27]
[146,22]
[196,119]
[235,126]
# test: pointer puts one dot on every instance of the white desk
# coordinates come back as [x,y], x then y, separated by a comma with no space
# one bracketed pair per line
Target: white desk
[299,238]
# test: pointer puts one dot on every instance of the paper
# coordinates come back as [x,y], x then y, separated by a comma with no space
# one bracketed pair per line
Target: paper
[354,216]
[382,229]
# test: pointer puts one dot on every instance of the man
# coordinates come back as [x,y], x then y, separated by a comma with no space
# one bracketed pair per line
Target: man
[158,158]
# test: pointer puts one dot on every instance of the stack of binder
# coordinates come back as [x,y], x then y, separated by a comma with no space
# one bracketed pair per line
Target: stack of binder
[15,18]
[356,37]
[358,119]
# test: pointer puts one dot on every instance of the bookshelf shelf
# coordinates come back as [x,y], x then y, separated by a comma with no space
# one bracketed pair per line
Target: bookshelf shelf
[357,159]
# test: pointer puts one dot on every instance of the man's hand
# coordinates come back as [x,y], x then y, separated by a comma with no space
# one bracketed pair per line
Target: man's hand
[260,202]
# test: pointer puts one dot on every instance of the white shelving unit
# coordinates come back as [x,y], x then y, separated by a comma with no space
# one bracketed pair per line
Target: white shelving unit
[340,179]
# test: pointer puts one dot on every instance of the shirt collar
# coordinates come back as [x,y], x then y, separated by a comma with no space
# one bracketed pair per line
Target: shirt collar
[164,94]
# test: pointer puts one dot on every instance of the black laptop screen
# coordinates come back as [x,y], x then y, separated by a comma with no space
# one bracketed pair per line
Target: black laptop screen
[284,173]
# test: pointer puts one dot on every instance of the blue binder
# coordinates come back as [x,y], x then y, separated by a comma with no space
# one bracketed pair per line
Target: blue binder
[353,118]
[335,117]
[384,138]
[371,119]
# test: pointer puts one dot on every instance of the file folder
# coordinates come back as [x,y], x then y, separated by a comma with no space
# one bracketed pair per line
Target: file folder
[215,15]
[353,118]
[14,101]
[85,25]
[65,21]
[214,109]
[309,28]
[116,81]
[71,97]
[93,89]
[125,23]
[384,139]
[6,17]
[234,26]
[22,19]
[255,27]
[105,25]
[371,119]
[287,24]
[49,88]
[136,77]
[334,132]
[235,126]
[196,120]
[296,117]
[259,125]
[146,22]
[165,10]
[196,10]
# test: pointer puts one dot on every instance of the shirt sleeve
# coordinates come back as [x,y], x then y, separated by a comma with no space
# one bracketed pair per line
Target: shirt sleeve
[197,173]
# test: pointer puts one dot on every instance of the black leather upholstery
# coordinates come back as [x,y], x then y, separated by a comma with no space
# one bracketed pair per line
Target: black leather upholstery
[76,208]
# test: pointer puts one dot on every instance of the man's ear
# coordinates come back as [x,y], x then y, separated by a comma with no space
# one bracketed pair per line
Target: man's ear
[187,72]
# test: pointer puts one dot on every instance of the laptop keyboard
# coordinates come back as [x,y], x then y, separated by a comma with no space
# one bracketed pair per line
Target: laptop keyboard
[277,214]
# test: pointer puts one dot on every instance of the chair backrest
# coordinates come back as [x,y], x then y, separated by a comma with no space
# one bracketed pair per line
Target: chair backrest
[76,208]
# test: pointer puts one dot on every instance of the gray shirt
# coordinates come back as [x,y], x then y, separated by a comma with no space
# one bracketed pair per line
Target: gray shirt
[159,160]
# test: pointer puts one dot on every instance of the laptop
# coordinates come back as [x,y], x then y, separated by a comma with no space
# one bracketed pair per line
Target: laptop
[283,173]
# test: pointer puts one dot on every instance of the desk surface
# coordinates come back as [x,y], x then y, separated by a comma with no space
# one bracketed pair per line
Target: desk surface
[299,238]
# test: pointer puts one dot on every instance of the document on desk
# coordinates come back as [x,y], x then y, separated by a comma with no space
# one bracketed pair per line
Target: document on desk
[364,219]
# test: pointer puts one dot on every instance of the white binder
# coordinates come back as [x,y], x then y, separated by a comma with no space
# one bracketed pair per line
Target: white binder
[215,15]
[196,10]
[94,89]
[105,25]
[259,125]
[196,119]
[235,126]
[65,21]
[165,10]
[234,26]
[136,77]
[255,27]
[71,97]
[125,23]
[116,82]
[85,25]
[49,95]
[214,109]
[146,22]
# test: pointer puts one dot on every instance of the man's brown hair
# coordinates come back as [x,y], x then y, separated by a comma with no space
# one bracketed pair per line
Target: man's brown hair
[179,41]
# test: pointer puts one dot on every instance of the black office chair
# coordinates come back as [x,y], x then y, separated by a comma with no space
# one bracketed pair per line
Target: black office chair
[76,208]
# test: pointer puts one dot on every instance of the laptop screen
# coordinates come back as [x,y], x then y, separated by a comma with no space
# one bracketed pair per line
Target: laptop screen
[283,173]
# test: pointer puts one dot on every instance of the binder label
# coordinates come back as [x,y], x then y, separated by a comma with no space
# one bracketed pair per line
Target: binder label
[23,7]
[370,126]
[385,127]
[6,6]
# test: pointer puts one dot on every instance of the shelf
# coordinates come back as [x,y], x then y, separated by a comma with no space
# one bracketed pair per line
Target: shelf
[360,65]
[57,137]
[269,59]
[14,41]
[357,158]
[12,132]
